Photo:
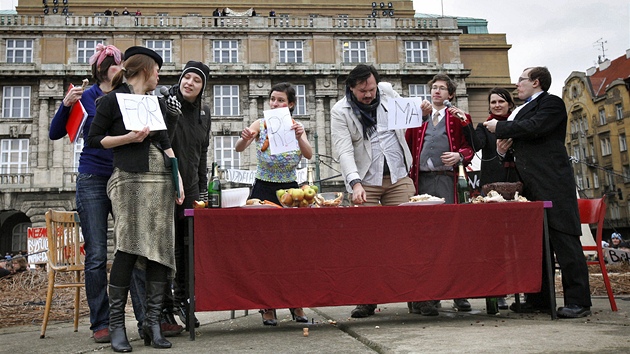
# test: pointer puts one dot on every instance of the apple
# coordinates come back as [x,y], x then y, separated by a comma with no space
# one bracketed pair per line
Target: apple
[316,188]
[298,194]
[304,203]
[304,187]
[198,205]
[287,200]
[309,194]
[280,193]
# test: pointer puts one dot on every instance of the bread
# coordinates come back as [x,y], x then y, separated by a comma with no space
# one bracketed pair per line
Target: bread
[253,201]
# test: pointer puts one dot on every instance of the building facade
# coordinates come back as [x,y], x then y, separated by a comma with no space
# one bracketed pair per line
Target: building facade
[41,54]
[598,104]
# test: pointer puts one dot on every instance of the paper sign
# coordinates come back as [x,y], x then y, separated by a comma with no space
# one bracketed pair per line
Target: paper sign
[140,111]
[616,255]
[404,112]
[248,176]
[281,136]
[37,242]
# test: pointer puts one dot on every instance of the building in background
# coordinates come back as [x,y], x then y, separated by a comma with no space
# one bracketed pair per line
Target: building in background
[598,104]
[313,46]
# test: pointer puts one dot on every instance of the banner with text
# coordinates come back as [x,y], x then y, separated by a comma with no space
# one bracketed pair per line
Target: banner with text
[248,176]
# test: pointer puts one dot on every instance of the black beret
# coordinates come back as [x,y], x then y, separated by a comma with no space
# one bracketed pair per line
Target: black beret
[146,51]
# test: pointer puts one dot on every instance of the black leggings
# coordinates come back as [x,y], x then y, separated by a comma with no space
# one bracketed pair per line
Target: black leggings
[122,267]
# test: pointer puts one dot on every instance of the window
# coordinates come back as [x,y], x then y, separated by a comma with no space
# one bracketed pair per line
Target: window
[290,51]
[605,145]
[226,100]
[78,147]
[224,153]
[355,52]
[595,180]
[602,117]
[417,51]
[420,90]
[619,111]
[162,47]
[86,48]
[19,236]
[225,51]
[623,145]
[13,156]
[576,152]
[592,148]
[19,50]
[578,182]
[16,102]
[626,174]
[300,95]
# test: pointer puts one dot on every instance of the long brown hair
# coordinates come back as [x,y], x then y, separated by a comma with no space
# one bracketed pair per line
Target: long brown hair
[138,64]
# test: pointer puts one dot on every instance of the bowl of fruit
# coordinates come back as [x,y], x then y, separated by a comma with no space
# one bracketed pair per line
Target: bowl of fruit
[302,197]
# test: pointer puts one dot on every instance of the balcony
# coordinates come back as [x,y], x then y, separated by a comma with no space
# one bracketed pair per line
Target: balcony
[16,180]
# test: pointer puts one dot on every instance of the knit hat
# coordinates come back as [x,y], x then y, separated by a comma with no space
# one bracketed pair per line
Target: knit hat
[146,51]
[198,68]
[616,235]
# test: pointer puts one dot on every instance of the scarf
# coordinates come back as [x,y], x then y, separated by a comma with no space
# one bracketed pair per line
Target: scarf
[365,112]
[499,118]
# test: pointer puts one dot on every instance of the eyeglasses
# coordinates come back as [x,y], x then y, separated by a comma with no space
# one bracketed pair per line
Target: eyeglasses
[523,79]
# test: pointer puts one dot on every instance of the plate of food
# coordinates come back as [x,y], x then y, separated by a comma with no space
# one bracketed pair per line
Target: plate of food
[423,199]
[261,204]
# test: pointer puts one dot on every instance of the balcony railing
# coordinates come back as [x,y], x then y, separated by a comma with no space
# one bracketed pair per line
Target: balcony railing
[231,22]
[17,180]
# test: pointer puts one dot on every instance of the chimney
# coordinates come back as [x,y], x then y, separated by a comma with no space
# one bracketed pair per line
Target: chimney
[590,71]
[627,53]
[604,65]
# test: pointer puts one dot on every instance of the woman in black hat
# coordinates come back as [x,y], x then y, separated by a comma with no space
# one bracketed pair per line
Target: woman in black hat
[142,191]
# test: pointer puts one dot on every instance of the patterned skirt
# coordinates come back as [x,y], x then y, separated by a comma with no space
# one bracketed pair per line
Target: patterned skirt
[143,205]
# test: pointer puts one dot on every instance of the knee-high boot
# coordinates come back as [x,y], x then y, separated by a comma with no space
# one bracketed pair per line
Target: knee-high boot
[117,332]
[151,325]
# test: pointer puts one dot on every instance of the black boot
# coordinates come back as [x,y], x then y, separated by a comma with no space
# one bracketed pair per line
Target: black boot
[117,333]
[151,325]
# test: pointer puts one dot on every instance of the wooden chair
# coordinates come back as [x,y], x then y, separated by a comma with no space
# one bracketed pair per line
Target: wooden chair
[593,211]
[64,255]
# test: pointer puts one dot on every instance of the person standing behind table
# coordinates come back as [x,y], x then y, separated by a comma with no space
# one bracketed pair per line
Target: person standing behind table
[497,163]
[190,145]
[437,147]
[275,172]
[538,130]
[141,190]
[374,160]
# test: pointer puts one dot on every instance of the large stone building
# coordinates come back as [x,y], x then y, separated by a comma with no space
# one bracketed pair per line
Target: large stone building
[598,104]
[312,46]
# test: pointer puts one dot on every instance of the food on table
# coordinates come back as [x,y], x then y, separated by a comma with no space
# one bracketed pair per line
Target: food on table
[324,200]
[198,204]
[495,197]
[425,198]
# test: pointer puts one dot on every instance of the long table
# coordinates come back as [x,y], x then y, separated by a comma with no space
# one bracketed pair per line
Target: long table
[251,258]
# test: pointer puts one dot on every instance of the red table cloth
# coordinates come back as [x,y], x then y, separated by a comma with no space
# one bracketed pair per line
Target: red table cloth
[250,258]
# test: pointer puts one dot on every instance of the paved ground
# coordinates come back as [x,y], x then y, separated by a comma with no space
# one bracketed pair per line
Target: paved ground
[391,330]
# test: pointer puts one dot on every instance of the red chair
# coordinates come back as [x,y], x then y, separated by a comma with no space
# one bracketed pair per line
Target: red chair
[593,211]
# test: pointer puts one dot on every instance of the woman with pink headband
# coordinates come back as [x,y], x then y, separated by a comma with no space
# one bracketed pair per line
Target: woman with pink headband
[93,205]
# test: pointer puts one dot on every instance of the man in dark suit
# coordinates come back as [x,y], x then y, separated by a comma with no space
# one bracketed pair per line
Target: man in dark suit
[538,129]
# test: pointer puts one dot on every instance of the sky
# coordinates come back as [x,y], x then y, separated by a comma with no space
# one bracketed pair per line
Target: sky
[563,35]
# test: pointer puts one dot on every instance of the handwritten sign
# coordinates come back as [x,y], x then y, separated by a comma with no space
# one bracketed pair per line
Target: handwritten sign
[140,111]
[248,176]
[616,255]
[404,112]
[37,242]
[281,136]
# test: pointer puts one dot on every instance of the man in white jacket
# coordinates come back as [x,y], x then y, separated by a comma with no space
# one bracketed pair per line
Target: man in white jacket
[374,160]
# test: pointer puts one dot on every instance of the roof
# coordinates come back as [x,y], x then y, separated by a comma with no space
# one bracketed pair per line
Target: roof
[618,69]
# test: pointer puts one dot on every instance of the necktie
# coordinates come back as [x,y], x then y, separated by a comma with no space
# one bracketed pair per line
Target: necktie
[436,118]
[528,99]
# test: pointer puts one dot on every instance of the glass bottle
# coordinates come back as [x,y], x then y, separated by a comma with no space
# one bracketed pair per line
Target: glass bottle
[492,305]
[214,188]
[463,191]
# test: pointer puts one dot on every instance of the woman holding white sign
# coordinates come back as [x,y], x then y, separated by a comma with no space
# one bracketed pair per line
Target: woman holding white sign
[276,171]
[141,190]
